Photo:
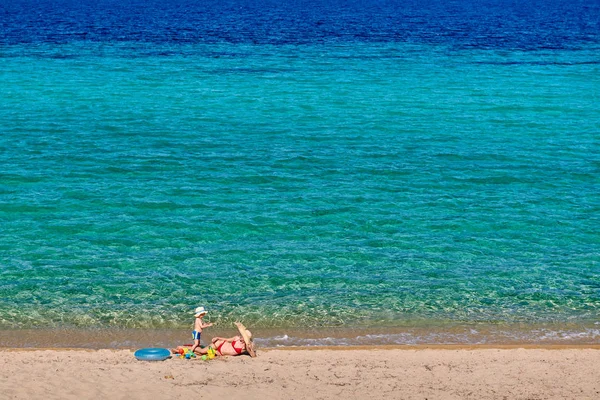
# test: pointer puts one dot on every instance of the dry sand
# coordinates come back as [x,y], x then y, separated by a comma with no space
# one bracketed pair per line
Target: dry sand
[306,374]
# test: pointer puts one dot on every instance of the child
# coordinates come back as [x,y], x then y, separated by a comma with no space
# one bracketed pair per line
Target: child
[198,326]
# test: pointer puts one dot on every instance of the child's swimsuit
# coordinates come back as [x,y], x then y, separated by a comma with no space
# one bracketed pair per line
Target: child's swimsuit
[196,335]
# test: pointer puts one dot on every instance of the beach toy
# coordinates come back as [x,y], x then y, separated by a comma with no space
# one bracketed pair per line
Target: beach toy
[186,353]
[211,353]
[152,354]
[204,358]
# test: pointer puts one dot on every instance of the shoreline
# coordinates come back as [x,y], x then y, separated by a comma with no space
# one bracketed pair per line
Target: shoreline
[459,336]
[419,347]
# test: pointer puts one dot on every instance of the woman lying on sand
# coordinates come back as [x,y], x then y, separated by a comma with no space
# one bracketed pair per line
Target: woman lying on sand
[233,346]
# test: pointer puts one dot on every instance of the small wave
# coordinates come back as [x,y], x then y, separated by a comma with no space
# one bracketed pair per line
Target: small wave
[540,63]
[469,337]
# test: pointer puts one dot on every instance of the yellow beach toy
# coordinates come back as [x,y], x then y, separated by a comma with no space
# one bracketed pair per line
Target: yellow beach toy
[211,353]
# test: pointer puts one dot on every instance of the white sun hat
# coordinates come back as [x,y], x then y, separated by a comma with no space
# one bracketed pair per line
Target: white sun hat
[200,311]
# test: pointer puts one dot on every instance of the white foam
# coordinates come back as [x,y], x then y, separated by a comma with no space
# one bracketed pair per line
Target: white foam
[471,336]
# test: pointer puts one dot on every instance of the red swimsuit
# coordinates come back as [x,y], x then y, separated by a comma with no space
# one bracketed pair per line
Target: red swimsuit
[239,351]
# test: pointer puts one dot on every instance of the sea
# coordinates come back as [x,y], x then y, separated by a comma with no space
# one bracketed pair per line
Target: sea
[328,172]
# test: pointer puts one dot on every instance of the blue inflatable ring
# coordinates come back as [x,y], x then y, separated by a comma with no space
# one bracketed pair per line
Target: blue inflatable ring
[152,354]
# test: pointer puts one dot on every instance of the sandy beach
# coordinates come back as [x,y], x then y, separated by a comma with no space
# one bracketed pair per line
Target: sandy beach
[349,373]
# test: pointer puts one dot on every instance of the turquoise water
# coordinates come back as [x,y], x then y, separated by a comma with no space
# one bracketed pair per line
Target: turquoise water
[320,185]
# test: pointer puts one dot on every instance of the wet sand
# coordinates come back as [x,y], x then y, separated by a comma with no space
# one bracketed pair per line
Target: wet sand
[426,372]
[494,335]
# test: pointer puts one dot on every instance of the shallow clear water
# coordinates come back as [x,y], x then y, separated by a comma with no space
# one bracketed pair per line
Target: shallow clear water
[295,174]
